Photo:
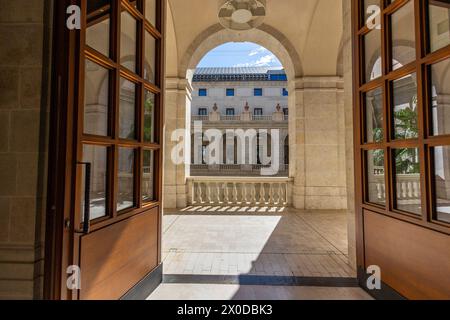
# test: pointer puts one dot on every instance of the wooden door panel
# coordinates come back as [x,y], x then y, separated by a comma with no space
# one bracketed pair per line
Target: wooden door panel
[413,260]
[115,258]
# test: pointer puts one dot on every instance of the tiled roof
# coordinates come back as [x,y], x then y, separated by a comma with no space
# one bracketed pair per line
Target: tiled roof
[238,70]
[239,74]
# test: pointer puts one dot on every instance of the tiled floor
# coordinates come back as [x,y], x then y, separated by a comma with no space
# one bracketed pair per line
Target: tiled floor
[291,243]
[236,292]
[253,242]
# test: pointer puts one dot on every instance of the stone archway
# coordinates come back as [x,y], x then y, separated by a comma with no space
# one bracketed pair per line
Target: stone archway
[180,88]
[266,36]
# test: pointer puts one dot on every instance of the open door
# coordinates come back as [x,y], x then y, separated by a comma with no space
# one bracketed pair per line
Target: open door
[402,145]
[113,156]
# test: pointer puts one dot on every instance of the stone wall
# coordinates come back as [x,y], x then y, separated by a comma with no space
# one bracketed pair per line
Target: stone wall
[318,164]
[177,115]
[272,96]
[23,145]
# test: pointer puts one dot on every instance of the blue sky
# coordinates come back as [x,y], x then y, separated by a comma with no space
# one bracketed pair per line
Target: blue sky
[242,54]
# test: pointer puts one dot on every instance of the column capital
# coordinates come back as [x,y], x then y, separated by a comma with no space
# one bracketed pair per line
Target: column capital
[178,84]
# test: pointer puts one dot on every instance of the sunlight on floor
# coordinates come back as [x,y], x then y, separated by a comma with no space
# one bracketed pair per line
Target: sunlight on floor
[203,246]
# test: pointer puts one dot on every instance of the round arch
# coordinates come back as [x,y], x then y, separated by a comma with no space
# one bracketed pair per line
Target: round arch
[265,36]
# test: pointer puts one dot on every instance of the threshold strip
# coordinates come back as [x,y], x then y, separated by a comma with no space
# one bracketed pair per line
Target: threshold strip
[257,280]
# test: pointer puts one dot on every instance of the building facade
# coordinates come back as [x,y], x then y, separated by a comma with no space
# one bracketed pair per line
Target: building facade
[251,99]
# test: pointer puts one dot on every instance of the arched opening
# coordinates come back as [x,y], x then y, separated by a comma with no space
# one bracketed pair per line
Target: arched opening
[239,88]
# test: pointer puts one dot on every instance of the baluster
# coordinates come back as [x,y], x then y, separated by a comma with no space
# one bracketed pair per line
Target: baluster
[208,192]
[254,201]
[404,190]
[244,193]
[226,194]
[235,193]
[199,190]
[218,193]
[271,196]
[409,190]
[280,194]
[416,187]
[378,187]
[262,195]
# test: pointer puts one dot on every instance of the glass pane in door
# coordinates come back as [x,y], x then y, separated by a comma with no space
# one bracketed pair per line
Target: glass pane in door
[125,183]
[148,176]
[98,25]
[375,177]
[405,108]
[441,182]
[97,157]
[96,99]
[374,116]
[407,180]
[439,24]
[403,36]
[150,58]
[440,97]
[128,44]
[149,117]
[127,110]
[150,11]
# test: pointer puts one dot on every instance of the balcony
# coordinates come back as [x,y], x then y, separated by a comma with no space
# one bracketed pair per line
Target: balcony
[246,116]
[240,191]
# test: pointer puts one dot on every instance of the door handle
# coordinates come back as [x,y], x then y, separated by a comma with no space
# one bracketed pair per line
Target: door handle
[87,198]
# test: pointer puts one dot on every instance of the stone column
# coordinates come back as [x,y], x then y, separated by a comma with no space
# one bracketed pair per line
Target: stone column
[297,143]
[24,114]
[177,116]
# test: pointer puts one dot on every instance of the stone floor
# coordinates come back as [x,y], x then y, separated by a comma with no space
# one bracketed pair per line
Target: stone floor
[208,250]
[290,243]
[239,292]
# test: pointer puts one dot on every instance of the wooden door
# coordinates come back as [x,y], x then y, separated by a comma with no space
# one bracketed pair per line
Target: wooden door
[113,150]
[402,143]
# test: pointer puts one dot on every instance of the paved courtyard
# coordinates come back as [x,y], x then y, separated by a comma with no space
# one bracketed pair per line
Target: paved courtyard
[287,243]
[252,253]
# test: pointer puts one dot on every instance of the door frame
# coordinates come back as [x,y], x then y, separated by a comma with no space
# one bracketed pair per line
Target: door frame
[62,168]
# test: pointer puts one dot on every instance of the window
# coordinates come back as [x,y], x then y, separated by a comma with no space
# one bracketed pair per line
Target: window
[258,112]
[286,111]
[278,77]
[404,136]
[230,92]
[202,92]
[230,112]
[285,92]
[258,92]
[202,111]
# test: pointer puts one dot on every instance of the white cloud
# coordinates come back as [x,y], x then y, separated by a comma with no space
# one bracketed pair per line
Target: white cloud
[268,60]
[257,51]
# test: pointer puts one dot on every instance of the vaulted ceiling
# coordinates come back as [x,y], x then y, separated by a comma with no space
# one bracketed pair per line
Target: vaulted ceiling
[313,28]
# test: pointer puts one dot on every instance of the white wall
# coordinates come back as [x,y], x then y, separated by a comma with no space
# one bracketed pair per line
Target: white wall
[244,92]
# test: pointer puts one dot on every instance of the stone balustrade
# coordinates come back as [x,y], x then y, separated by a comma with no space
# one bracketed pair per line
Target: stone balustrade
[408,187]
[239,191]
